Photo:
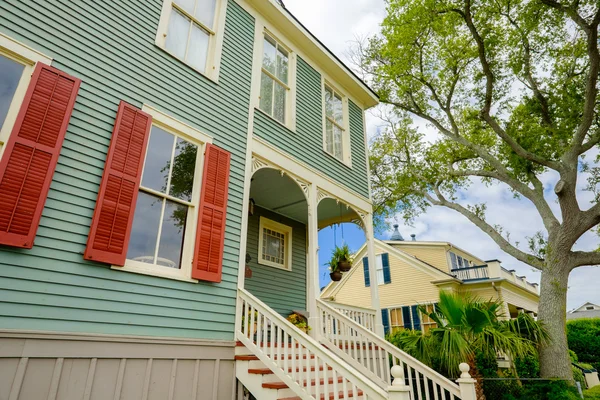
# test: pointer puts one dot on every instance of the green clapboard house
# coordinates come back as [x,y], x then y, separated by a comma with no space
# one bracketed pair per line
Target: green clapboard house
[165,167]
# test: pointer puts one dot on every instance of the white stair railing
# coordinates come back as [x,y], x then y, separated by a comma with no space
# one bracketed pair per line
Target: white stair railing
[361,315]
[303,364]
[373,356]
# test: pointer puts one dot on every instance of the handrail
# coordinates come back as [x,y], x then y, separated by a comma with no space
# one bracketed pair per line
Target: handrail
[296,358]
[371,355]
[469,268]
[364,316]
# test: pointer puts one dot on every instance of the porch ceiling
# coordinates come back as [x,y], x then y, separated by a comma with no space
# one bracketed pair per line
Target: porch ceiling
[280,194]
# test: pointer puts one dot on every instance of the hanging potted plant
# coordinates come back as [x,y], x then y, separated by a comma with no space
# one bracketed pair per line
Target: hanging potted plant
[334,267]
[344,258]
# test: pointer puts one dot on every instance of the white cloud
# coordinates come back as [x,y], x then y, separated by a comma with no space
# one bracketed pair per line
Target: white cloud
[337,23]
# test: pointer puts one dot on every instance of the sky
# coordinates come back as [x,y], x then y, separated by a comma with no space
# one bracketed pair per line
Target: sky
[337,23]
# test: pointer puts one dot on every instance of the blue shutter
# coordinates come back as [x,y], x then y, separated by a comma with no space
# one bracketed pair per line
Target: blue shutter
[385,319]
[416,318]
[385,260]
[406,317]
[366,269]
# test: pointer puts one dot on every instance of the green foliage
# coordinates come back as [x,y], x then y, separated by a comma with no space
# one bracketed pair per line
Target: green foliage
[592,394]
[528,367]
[578,376]
[338,254]
[583,336]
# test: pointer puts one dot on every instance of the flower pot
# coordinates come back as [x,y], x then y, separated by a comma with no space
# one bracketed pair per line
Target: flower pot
[344,265]
[336,276]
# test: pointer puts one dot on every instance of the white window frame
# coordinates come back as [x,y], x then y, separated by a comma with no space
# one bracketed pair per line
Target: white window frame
[28,57]
[215,43]
[290,104]
[378,264]
[286,230]
[183,130]
[346,148]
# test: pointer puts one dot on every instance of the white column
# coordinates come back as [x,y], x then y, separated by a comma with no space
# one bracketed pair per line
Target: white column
[369,233]
[312,263]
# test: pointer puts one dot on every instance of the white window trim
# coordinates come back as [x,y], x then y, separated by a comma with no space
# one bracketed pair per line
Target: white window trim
[200,138]
[379,257]
[281,228]
[290,106]
[27,56]
[215,46]
[346,148]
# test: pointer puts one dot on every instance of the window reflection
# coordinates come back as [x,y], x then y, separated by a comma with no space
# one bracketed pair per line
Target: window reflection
[10,74]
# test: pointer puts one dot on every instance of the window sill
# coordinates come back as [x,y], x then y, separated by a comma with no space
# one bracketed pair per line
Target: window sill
[289,128]
[348,164]
[214,79]
[266,264]
[155,272]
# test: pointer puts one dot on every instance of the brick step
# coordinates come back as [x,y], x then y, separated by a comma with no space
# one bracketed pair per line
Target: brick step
[331,396]
[282,385]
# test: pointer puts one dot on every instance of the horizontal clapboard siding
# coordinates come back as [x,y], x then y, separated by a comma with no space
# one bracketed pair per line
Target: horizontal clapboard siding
[281,290]
[110,46]
[306,144]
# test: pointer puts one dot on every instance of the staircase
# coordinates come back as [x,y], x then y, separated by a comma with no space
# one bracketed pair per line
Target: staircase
[277,361]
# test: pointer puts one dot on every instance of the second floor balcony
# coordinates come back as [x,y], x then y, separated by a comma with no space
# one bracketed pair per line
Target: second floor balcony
[493,270]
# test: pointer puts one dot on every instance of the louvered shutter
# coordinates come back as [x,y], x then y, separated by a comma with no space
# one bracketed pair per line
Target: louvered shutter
[385,320]
[210,234]
[385,261]
[31,153]
[113,217]
[366,271]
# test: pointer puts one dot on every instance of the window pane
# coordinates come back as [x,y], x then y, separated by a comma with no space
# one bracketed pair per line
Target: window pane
[338,110]
[266,94]
[205,12]
[187,5]
[198,49]
[10,74]
[273,246]
[279,103]
[337,140]
[269,54]
[177,34]
[453,261]
[158,160]
[171,237]
[282,65]
[329,136]
[144,231]
[379,266]
[184,167]
[328,102]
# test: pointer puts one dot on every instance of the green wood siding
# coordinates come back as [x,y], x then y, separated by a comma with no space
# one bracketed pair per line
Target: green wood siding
[110,46]
[306,144]
[281,290]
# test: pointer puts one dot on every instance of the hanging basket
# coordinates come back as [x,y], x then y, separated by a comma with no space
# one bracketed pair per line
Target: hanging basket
[336,276]
[344,265]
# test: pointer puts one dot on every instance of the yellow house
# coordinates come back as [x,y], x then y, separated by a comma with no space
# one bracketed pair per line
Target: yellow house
[412,273]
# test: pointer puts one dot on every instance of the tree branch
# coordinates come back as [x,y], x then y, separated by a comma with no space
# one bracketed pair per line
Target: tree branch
[583,258]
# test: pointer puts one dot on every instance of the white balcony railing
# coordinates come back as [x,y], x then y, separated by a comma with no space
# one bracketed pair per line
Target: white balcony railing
[360,315]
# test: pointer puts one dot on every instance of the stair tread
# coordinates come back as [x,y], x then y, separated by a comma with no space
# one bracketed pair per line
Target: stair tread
[250,357]
[282,385]
[331,395]
[260,371]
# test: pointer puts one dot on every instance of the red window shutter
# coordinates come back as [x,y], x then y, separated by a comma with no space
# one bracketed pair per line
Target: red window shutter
[31,153]
[113,217]
[210,234]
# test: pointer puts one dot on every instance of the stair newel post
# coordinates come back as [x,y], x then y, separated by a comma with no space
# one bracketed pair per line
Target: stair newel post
[466,383]
[398,390]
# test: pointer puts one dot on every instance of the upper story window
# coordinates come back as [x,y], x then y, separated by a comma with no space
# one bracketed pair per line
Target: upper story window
[275,244]
[336,141]
[379,265]
[16,66]
[275,80]
[192,31]
[458,261]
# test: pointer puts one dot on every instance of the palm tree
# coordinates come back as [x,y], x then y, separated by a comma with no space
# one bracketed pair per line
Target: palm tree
[468,326]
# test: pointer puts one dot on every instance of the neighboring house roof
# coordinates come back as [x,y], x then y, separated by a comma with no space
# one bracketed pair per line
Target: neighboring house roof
[584,307]
[432,243]
[583,314]
[436,274]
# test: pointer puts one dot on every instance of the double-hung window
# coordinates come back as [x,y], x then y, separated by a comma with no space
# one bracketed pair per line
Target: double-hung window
[335,124]
[275,80]
[191,30]
[379,265]
[458,262]
[16,66]
[410,317]
[275,244]
[164,223]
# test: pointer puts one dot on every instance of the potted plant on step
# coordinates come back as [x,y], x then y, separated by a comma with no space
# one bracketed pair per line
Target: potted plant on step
[299,322]
[344,258]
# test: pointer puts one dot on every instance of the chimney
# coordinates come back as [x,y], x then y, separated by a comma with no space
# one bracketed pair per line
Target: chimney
[396,235]
[414,237]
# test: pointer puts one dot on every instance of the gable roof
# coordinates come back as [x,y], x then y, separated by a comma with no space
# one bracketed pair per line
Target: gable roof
[582,309]
[334,287]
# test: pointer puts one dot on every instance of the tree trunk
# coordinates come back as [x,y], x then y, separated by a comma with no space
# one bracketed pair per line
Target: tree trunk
[554,356]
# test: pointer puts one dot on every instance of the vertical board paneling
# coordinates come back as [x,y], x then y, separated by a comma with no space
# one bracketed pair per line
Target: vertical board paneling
[110,46]
[281,290]
[306,144]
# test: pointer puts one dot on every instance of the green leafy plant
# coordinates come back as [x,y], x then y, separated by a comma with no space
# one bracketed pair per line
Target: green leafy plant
[299,321]
[592,394]
[583,336]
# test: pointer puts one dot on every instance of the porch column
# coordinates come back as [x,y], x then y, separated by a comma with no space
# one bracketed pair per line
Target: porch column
[313,291]
[369,233]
